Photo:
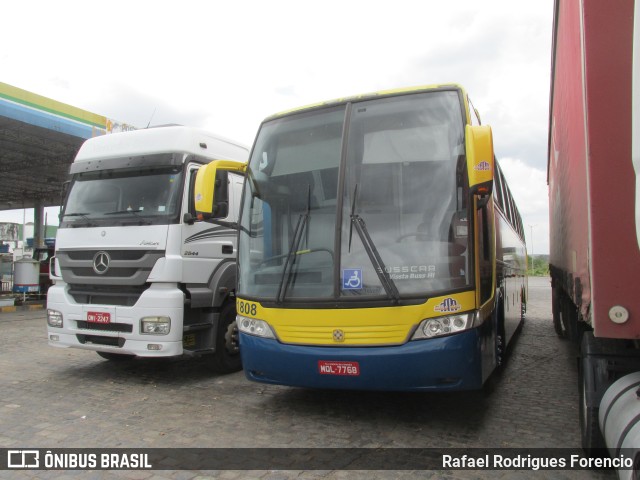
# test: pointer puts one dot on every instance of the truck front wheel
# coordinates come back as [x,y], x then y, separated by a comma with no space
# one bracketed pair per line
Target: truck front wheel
[227,359]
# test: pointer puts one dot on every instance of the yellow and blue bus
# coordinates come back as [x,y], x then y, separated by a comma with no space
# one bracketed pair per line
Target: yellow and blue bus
[379,246]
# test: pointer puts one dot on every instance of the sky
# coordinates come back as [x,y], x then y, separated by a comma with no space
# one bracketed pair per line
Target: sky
[225,66]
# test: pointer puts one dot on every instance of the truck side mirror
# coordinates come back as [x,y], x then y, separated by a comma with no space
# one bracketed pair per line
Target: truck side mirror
[480,159]
[188,219]
[211,192]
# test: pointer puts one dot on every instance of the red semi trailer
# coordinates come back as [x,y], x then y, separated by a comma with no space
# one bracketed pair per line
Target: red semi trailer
[595,258]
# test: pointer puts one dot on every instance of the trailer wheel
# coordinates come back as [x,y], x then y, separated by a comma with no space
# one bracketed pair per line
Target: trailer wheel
[227,359]
[558,312]
[592,441]
[116,357]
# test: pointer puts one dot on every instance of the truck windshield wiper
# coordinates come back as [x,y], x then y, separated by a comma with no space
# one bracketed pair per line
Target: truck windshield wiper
[293,250]
[142,221]
[77,214]
[135,212]
[376,260]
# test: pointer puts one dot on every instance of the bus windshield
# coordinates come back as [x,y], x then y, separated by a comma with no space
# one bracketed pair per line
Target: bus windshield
[114,197]
[360,201]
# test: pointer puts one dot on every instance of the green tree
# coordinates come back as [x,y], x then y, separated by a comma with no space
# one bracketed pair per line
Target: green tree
[538,267]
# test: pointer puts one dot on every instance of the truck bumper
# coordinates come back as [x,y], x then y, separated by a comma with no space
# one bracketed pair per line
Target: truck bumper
[446,363]
[122,333]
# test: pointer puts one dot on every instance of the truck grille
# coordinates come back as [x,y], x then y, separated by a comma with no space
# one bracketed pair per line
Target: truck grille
[126,267]
[97,340]
[105,327]
[124,296]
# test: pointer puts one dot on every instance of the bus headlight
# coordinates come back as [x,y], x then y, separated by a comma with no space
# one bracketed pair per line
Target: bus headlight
[438,327]
[252,326]
[159,325]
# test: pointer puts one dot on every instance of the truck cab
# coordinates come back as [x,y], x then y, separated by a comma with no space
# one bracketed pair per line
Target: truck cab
[137,274]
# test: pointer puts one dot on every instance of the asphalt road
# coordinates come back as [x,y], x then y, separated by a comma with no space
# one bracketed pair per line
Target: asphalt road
[54,398]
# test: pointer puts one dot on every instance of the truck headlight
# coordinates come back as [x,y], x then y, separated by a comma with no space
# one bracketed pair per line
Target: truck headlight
[157,325]
[438,327]
[252,326]
[54,318]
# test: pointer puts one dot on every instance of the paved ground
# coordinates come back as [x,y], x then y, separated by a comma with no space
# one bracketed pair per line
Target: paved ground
[53,398]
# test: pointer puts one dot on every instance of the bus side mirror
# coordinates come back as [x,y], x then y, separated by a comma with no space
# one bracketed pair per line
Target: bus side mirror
[211,190]
[480,159]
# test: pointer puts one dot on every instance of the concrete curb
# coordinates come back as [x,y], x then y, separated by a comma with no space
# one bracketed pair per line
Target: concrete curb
[22,308]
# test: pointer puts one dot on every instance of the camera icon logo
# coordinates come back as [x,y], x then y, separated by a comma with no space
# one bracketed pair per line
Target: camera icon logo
[23,459]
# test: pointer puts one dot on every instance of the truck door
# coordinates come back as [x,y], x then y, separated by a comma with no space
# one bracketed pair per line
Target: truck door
[204,244]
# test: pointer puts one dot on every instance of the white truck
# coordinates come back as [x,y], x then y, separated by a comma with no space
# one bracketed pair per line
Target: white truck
[136,273]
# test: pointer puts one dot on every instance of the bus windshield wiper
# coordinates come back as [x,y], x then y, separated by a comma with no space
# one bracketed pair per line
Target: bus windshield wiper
[293,250]
[376,260]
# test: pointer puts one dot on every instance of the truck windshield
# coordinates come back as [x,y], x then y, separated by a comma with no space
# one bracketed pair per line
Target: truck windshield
[115,197]
[380,214]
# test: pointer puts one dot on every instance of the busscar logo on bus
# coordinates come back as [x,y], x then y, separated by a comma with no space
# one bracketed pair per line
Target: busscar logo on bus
[447,305]
[410,272]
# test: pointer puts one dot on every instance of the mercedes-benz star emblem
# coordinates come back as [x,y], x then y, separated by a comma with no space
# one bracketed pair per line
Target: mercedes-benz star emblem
[101,262]
[338,336]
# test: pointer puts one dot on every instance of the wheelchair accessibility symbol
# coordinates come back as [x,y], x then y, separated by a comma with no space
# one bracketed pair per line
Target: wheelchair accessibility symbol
[352,279]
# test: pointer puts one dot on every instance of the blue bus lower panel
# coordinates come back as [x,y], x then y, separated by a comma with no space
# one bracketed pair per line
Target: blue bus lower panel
[446,363]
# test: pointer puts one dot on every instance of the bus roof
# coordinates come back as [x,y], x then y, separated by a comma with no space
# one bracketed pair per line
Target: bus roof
[367,96]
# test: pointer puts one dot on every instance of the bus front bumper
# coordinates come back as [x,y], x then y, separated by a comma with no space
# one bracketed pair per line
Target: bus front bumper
[445,363]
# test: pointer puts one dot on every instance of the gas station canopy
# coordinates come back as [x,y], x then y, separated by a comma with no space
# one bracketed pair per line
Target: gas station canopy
[39,137]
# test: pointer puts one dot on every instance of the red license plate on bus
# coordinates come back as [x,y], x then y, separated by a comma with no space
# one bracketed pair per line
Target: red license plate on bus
[328,367]
[98,317]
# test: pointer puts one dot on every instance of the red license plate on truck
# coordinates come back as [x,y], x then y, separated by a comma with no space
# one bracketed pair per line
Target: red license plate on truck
[98,317]
[328,367]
